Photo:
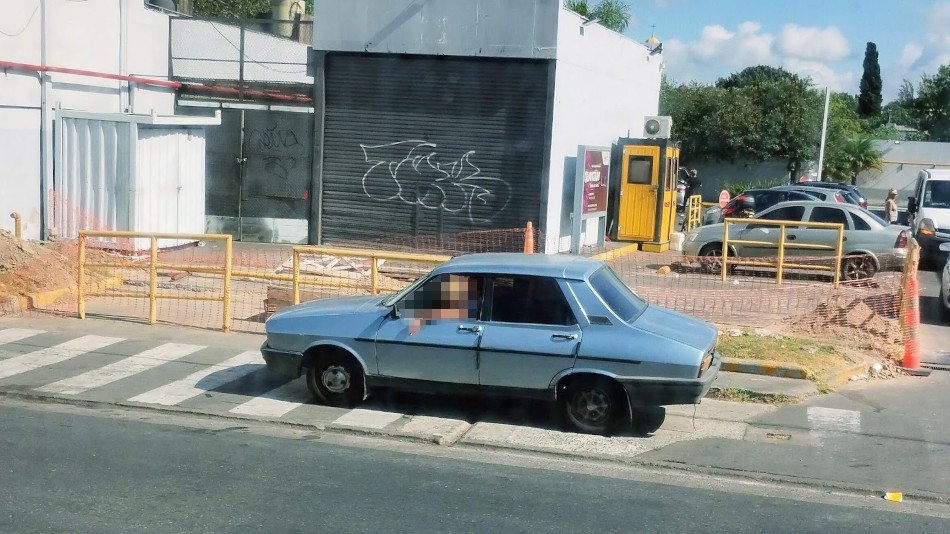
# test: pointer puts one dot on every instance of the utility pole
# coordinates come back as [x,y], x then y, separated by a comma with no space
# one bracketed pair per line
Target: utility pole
[824,133]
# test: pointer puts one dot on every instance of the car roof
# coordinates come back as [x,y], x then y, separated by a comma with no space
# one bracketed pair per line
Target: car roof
[552,265]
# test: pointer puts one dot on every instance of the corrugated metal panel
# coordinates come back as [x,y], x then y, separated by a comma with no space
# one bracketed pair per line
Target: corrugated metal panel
[117,175]
[431,144]
[91,184]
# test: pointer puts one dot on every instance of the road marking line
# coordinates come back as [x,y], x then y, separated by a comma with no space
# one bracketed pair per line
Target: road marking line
[12,335]
[360,418]
[820,418]
[53,355]
[213,377]
[274,403]
[132,365]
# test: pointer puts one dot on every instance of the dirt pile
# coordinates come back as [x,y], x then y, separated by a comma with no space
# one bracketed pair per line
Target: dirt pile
[29,266]
[869,324]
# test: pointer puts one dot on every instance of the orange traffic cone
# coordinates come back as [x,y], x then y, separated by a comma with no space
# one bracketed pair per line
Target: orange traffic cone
[911,328]
[529,238]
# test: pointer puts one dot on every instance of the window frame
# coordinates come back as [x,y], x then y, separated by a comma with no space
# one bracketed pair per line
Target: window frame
[488,304]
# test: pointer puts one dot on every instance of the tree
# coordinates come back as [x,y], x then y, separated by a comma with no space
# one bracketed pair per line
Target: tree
[849,149]
[932,105]
[240,9]
[869,99]
[612,14]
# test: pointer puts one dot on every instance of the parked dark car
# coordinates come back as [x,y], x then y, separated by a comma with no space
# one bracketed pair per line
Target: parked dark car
[763,199]
[822,194]
[851,193]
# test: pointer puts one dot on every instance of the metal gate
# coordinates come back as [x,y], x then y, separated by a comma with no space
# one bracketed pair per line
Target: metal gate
[422,145]
[259,174]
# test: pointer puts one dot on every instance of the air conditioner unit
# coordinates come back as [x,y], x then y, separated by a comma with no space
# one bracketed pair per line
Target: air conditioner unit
[657,127]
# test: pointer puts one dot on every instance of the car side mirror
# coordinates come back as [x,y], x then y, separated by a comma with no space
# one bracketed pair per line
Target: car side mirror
[394,312]
[911,204]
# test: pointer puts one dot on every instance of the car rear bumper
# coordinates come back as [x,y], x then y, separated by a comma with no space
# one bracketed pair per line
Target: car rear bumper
[667,391]
[282,362]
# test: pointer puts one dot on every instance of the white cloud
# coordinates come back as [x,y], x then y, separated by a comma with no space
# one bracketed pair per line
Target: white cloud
[927,56]
[812,43]
[808,51]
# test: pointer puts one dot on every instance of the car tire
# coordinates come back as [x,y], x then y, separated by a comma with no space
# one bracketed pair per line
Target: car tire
[336,380]
[710,258]
[593,406]
[858,267]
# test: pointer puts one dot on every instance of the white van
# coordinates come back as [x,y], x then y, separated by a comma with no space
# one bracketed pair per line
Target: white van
[929,210]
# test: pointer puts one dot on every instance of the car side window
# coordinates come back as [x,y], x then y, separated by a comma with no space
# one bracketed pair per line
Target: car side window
[788,213]
[529,299]
[859,223]
[447,296]
[829,215]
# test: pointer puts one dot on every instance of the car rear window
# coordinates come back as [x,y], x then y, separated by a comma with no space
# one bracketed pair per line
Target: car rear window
[618,297]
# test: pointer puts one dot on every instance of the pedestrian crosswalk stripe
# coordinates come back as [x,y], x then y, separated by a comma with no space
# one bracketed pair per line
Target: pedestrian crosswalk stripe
[274,403]
[121,369]
[12,335]
[53,355]
[214,376]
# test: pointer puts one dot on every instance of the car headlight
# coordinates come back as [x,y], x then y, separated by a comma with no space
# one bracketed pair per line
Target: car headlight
[926,227]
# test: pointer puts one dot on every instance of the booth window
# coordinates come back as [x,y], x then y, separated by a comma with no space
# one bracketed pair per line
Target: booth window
[640,170]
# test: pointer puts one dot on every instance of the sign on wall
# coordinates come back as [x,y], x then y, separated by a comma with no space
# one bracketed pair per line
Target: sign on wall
[594,182]
[590,194]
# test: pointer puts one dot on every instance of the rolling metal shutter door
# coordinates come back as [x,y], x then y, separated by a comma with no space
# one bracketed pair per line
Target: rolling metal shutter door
[422,145]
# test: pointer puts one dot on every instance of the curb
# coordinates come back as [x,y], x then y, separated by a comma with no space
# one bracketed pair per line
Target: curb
[782,370]
[616,253]
[45,298]
[843,375]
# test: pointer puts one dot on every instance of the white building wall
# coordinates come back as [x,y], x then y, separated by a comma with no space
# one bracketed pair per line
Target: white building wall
[605,85]
[80,35]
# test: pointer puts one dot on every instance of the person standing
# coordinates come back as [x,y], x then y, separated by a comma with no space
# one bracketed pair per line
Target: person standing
[890,206]
[693,184]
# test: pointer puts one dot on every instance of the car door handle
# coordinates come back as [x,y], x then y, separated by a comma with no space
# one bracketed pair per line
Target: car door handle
[564,336]
[791,237]
[470,328]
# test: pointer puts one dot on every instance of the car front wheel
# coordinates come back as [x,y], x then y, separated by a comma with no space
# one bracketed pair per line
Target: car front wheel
[336,380]
[593,406]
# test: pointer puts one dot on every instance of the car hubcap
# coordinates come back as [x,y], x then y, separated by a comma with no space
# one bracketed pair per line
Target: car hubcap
[591,405]
[713,260]
[858,269]
[336,379]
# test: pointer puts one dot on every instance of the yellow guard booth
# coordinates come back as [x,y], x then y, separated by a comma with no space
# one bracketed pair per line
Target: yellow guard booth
[646,211]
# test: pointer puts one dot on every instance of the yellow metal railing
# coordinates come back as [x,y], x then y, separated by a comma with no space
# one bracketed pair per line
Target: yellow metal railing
[373,255]
[694,211]
[153,266]
[229,273]
[780,264]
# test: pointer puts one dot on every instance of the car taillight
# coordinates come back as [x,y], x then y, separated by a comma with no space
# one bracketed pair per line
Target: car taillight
[863,203]
[838,198]
[901,240]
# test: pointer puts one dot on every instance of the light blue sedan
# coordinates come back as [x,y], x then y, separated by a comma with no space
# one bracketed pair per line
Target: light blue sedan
[557,327]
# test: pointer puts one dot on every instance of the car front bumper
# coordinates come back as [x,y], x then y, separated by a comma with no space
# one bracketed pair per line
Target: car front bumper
[282,362]
[930,246]
[666,391]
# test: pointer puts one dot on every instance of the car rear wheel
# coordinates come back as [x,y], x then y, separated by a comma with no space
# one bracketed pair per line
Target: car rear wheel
[336,380]
[858,267]
[593,406]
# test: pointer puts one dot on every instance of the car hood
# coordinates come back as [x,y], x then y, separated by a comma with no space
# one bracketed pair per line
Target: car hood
[678,327]
[939,216]
[335,306]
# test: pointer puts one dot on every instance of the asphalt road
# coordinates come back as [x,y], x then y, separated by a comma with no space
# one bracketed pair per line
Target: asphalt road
[67,469]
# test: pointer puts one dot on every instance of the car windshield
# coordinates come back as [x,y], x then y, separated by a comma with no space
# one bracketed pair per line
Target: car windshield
[874,217]
[937,194]
[392,299]
[618,297]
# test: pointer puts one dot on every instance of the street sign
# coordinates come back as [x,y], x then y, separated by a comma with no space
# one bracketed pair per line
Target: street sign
[723,198]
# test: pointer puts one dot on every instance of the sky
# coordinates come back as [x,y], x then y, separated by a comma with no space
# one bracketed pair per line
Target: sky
[704,40]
